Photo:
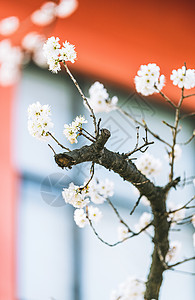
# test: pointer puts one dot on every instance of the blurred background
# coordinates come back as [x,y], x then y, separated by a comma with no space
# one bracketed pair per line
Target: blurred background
[43,255]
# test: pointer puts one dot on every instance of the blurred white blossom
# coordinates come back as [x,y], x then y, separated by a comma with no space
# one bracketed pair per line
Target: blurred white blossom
[131,289]
[94,214]
[10,61]
[193,220]
[177,154]
[173,253]
[144,220]
[148,80]
[66,8]
[122,232]
[45,15]
[32,41]
[100,190]
[177,214]
[183,78]
[39,121]
[148,164]
[9,25]
[80,218]
[99,99]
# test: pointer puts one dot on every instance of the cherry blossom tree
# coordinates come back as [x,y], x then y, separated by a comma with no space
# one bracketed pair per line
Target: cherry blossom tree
[86,199]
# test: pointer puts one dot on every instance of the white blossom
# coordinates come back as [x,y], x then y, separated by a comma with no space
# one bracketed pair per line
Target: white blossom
[177,214]
[194,240]
[9,25]
[66,8]
[68,53]
[99,191]
[75,195]
[173,253]
[131,289]
[54,54]
[45,15]
[144,220]
[54,65]
[99,99]
[183,78]
[148,80]
[193,220]
[96,197]
[71,131]
[106,188]
[122,231]
[51,48]
[148,164]
[39,121]
[94,214]
[80,218]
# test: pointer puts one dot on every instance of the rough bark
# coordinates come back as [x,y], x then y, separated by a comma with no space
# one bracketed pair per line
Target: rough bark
[127,170]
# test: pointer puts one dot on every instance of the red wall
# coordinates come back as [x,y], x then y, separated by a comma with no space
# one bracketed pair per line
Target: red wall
[7,200]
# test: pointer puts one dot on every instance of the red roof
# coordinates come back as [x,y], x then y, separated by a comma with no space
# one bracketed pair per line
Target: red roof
[113,38]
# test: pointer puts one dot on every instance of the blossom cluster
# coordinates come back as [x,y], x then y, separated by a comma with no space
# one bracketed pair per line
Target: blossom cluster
[148,80]
[55,54]
[80,196]
[131,289]
[71,131]
[148,164]
[10,62]
[39,121]
[183,78]
[47,13]
[99,99]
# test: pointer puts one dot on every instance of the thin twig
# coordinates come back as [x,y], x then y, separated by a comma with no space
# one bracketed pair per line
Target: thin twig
[58,142]
[91,177]
[89,134]
[183,272]
[169,125]
[143,125]
[187,96]
[165,97]
[83,96]
[87,137]
[181,262]
[136,204]
[119,242]
[187,115]
[177,118]
[188,141]
[118,215]
[52,148]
